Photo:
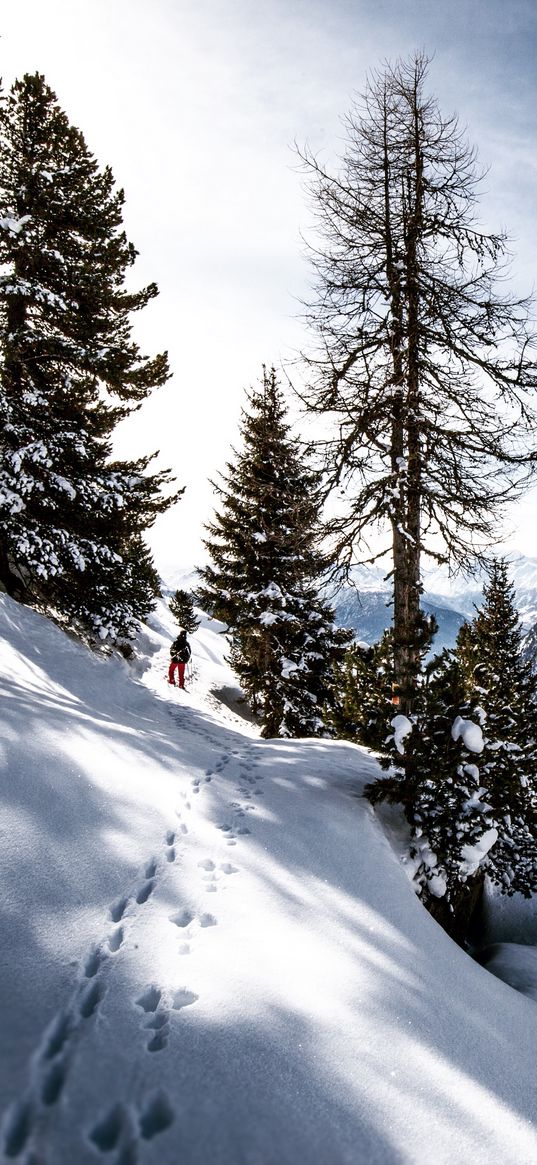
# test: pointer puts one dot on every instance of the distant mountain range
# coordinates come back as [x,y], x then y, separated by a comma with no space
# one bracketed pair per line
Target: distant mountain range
[365,607]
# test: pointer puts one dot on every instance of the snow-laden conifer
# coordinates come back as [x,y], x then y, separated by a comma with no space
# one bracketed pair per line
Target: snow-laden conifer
[264,576]
[501,680]
[71,518]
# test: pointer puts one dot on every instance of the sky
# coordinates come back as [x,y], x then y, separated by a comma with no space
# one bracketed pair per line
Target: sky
[196,105]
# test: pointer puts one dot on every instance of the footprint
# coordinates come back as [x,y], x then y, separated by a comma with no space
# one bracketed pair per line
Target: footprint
[170,854]
[145,891]
[227,868]
[58,1036]
[170,837]
[208,779]
[207,920]
[184,949]
[150,998]
[243,829]
[151,868]
[93,962]
[106,1133]
[53,1083]
[225,828]
[115,939]
[159,1042]
[182,918]
[184,998]
[90,1000]
[184,828]
[18,1128]
[118,909]
[156,1115]
[206,864]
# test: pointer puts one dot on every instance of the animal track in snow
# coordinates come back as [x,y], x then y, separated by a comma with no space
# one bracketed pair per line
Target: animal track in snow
[170,853]
[117,909]
[170,837]
[53,1083]
[227,868]
[149,999]
[207,864]
[182,918]
[18,1128]
[184,949]
[151,868]
[184,998]
[91,999]
[145,891]
[58,1035]
[107,1132]
[93,963]
[159,1041]
[115,940]
[207,920]
[156,1116]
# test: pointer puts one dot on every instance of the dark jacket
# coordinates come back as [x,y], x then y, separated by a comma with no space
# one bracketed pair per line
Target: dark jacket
[180,648]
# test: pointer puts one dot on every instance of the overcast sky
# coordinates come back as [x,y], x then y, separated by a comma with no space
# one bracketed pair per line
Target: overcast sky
[196,104]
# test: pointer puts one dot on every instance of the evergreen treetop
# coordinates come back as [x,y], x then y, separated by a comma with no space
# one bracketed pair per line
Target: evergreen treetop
[263,580]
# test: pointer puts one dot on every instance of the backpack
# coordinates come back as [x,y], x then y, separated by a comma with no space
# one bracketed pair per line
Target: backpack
[180,650]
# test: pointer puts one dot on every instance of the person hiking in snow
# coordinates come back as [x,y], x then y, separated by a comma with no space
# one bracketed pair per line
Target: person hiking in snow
[180,654]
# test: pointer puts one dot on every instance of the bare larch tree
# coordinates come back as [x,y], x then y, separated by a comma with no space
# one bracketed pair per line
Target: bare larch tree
[424,366]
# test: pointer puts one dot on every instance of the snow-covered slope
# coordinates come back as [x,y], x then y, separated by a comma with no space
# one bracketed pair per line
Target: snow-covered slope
[210,953]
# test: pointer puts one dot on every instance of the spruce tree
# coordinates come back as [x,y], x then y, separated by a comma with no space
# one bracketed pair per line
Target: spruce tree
[501,681]
[71,518]
[181,606]
[264,577]
[467,769]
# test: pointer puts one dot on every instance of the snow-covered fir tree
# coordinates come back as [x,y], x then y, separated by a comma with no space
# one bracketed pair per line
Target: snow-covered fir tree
[264,577]
[501,680]
[71,518]
[181,606]
[436,776]
[466,773]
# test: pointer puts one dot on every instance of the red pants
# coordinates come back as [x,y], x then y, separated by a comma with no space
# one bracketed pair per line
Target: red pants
[180,671]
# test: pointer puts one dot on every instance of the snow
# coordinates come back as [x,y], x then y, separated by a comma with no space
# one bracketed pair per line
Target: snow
[471,734]
[210,951]
[472,855]
[401,727]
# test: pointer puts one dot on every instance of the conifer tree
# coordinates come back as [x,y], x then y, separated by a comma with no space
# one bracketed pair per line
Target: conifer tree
[181,606]
[501,681]
[264,578]
[71,518]
[466,773]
